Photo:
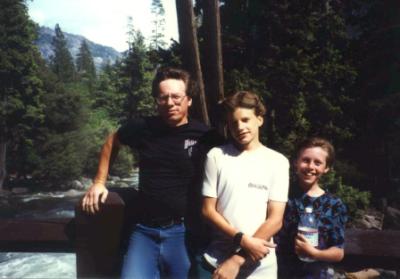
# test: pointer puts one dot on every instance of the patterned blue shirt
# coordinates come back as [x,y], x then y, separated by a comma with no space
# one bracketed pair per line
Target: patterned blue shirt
[331,215]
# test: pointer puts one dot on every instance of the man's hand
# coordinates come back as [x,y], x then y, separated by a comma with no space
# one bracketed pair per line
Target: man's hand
[229,269]
[303,248]
[256,248]
[96,192]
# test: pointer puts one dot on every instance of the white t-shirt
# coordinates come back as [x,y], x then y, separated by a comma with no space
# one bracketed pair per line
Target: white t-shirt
[243,182]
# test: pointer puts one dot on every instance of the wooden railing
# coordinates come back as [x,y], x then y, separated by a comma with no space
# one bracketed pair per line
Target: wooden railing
[97,239]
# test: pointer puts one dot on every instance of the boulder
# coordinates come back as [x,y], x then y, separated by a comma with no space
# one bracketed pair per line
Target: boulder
[371,219]
[368,273]
[86,182]
[77,185]
[121,184]
[392,219]
[113,178]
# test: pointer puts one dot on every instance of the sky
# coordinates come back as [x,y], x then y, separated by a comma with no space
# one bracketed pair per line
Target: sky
[102,21]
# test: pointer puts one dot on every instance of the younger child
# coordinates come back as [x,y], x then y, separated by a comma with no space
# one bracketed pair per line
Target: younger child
[245,192]
[314,158]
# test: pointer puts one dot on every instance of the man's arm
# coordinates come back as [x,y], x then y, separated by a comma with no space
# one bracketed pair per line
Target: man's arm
[109,151]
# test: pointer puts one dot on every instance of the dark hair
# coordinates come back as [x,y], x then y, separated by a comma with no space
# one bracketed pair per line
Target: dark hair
[172,73]
[244,99]
[318,142]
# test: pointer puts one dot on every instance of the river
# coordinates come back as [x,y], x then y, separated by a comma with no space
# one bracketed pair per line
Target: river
[40,205]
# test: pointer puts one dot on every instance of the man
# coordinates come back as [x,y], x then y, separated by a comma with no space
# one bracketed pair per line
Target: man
[170,146]
[245,192]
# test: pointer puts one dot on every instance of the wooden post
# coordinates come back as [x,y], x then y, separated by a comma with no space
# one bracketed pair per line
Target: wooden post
[98,239]
[213,64]
[191,55]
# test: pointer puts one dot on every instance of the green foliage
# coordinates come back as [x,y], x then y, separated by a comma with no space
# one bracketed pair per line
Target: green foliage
[323,68]
[136,74]
[56,123]
[98,127]
[21,107]
[355,200]
[376,56]
[124,163]
[294,55]
[171,57]
[85,66]
[63,109]
[157,33]
[62,157]
[62,143]
[62,63]
[106,96]
[21,89]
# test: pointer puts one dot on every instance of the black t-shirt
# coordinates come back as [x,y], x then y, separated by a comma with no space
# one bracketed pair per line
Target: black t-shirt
[170,162]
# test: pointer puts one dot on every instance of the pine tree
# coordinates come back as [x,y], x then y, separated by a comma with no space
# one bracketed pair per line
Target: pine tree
[63,144]
[85,65]
[157,37]
[136,74]
[108,98]
[375,25]
[62,63]
[21,110]
[294,55]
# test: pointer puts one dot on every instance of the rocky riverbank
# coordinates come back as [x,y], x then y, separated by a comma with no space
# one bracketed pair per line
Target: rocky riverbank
[27,186]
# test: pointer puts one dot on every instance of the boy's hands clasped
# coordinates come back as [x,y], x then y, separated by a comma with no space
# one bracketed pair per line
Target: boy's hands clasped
[256,248]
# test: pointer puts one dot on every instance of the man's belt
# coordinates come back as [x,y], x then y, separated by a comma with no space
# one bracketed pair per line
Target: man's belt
[164,222]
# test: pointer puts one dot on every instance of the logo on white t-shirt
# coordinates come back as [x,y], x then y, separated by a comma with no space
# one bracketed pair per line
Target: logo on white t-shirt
[258,186]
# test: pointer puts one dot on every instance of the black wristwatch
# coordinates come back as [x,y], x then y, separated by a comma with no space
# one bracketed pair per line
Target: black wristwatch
[237,239]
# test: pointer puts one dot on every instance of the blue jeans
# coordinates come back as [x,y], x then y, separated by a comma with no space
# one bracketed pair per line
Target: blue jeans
[156,253]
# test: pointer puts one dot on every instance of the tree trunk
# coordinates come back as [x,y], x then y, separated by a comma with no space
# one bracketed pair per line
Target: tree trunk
[3,149]
[191,54]
[213,64]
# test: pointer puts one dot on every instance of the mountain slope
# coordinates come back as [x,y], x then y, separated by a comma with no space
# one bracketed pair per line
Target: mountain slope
[101,54]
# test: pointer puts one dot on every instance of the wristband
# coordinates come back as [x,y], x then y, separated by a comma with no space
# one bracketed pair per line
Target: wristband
[237,239]
[240,252]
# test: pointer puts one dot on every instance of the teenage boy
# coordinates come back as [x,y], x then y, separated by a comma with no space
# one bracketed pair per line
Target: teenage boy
[245,192]
[170,147]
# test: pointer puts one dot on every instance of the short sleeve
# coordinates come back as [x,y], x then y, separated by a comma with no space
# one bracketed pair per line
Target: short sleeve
[339,219]
[210,175]
[280,181]
[130,133]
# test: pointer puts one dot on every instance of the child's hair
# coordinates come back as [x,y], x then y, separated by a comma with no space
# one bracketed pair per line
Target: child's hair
[318,142]
[244,99]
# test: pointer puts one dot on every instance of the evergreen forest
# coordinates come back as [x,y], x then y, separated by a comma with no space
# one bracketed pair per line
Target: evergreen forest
[328,68]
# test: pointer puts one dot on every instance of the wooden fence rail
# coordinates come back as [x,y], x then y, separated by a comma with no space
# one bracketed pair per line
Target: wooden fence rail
[96,239]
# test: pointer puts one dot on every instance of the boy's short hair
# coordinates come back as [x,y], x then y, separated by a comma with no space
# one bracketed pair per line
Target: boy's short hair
[318,142]
[173,73]
[244,99]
